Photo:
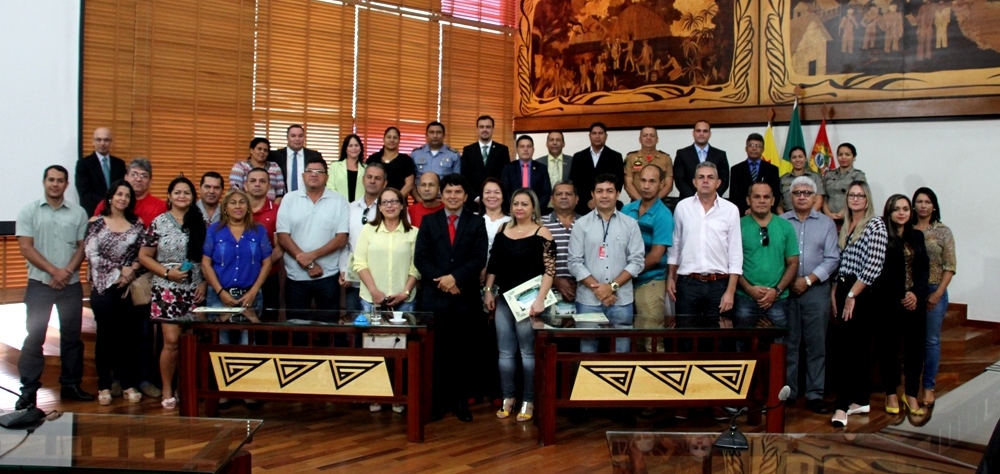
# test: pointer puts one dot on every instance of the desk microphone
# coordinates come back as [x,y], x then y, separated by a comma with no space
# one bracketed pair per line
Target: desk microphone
[733,438]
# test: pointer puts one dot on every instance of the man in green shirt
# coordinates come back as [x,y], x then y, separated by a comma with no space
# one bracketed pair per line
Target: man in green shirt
[50,233]
[770,259]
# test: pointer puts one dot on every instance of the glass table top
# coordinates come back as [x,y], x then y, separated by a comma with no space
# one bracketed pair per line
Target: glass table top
[101,443]
[311,317]
[659,452]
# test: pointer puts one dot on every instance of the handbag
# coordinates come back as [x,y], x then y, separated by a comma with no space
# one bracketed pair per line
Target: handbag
[140,290]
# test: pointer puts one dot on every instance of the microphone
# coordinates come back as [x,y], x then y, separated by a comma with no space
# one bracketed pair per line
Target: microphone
[733,438]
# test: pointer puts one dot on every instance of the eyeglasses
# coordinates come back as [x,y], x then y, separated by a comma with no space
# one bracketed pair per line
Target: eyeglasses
[138,175]
[802,193]
[765,238]
[755,146]
[315,172]
[856,197]
[389,202]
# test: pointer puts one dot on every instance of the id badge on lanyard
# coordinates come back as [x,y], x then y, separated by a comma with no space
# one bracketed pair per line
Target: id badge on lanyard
[601,252]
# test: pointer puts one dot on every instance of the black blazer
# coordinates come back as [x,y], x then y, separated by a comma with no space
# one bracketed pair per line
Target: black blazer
[280,156]
[685,162]
[476,172]
[891,282]
[435,256]
[583,172]
[540,183]
[767,173]
[90,185]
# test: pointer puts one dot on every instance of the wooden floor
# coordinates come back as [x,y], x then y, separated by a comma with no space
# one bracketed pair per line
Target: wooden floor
[298,437]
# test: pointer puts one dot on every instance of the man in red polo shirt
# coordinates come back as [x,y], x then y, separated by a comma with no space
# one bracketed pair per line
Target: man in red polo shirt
[428,188]
[147,206]
[265,213]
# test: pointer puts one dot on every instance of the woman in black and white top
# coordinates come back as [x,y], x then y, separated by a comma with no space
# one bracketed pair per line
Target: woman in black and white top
[863,239]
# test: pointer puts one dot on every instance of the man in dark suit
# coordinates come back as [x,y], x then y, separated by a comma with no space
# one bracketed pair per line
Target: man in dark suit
[483,159]
[687,159]
[294,157]
[96,171]
[753,170]
[538,174]
[595,160]
[450,252]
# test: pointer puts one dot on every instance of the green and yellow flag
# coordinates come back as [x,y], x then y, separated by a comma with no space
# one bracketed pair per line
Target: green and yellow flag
[794,139]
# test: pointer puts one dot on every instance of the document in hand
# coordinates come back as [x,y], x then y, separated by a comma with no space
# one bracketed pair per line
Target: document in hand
[521,297]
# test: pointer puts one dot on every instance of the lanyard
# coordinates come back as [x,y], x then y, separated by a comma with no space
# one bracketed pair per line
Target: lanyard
[606,229]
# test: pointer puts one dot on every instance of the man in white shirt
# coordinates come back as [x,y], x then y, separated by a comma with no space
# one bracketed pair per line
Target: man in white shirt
[706,260]
[312,227]
[362,211]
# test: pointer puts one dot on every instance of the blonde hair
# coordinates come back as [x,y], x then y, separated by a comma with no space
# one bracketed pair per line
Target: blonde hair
[224,218]
[536,214]
[846,236]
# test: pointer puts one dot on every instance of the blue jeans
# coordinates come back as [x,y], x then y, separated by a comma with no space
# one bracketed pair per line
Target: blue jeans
[932,351]
[404,307]
[620,316]
[299,295]
[212,300]
[352,296]
[511,337]
[746,313]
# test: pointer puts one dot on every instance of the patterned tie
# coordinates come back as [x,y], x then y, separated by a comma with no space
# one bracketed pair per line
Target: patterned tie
[107,169]
[754,165]
[486,154]
[295,171]
[452,228]
[525,175]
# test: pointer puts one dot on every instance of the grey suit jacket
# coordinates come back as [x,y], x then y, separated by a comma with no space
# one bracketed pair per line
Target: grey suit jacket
[567,163]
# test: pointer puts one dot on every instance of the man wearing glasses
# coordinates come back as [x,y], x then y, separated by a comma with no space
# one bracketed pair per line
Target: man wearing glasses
[96,171]
[770,259]
[809,304]
[312,228]
[147,206]
[363,210]
[753,170]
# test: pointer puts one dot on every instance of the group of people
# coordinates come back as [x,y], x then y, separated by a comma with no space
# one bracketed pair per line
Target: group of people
[481,223]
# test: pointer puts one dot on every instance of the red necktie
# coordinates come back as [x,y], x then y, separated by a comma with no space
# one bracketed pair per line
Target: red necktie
[451,227]
[525,175]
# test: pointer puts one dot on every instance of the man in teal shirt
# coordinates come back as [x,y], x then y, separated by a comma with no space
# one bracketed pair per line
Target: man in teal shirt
[770,260]
[50,233]
[656,224]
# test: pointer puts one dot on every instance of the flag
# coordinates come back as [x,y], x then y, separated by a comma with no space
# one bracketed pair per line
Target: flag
[822,158]
[770,151]
[793,140]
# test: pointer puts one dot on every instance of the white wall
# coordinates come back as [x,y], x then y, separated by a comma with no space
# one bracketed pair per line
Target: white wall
[39,101]
[957,159]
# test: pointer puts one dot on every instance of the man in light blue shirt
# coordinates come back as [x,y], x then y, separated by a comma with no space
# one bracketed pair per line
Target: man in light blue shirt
[605,253]
[435,156]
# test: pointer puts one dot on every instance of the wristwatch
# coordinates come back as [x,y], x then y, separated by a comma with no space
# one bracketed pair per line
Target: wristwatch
[311,266]
[486,289]
[809,281]
[850,294]
[615,286]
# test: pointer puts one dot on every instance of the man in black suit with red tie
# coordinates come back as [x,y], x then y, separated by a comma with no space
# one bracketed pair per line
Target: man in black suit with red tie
[753,170]
[687,159]
[597,159]
[96,171]
[538,175]
[483,159]
[293,158]
[450,252]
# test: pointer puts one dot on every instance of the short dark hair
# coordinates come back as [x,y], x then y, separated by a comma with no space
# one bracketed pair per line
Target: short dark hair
[564,182]
[561,135]
[211,174]
[755,137]
[455,179]
[524,137]
[257,141]
[703,120]
[486,117]
[260,170]
[59,168]
[606,178]
[312,160]
[377,165]
[603,127]
[797,147]
[758,182]
[294,125]
[504,205]
[435,123]
[659,171]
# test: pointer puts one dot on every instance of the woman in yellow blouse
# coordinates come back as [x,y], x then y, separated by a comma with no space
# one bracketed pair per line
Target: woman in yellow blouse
[383,257]
[348,172]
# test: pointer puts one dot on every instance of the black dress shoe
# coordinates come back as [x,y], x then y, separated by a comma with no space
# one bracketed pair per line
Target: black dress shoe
[74,392]
[26,400]
[463,414]
[817,406]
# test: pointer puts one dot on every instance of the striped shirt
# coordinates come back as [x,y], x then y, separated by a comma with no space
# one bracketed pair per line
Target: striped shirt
[864,257]
[560,235]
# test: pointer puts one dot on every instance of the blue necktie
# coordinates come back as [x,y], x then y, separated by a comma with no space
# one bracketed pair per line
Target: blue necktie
[753,170]
[107,170]
[701,155]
